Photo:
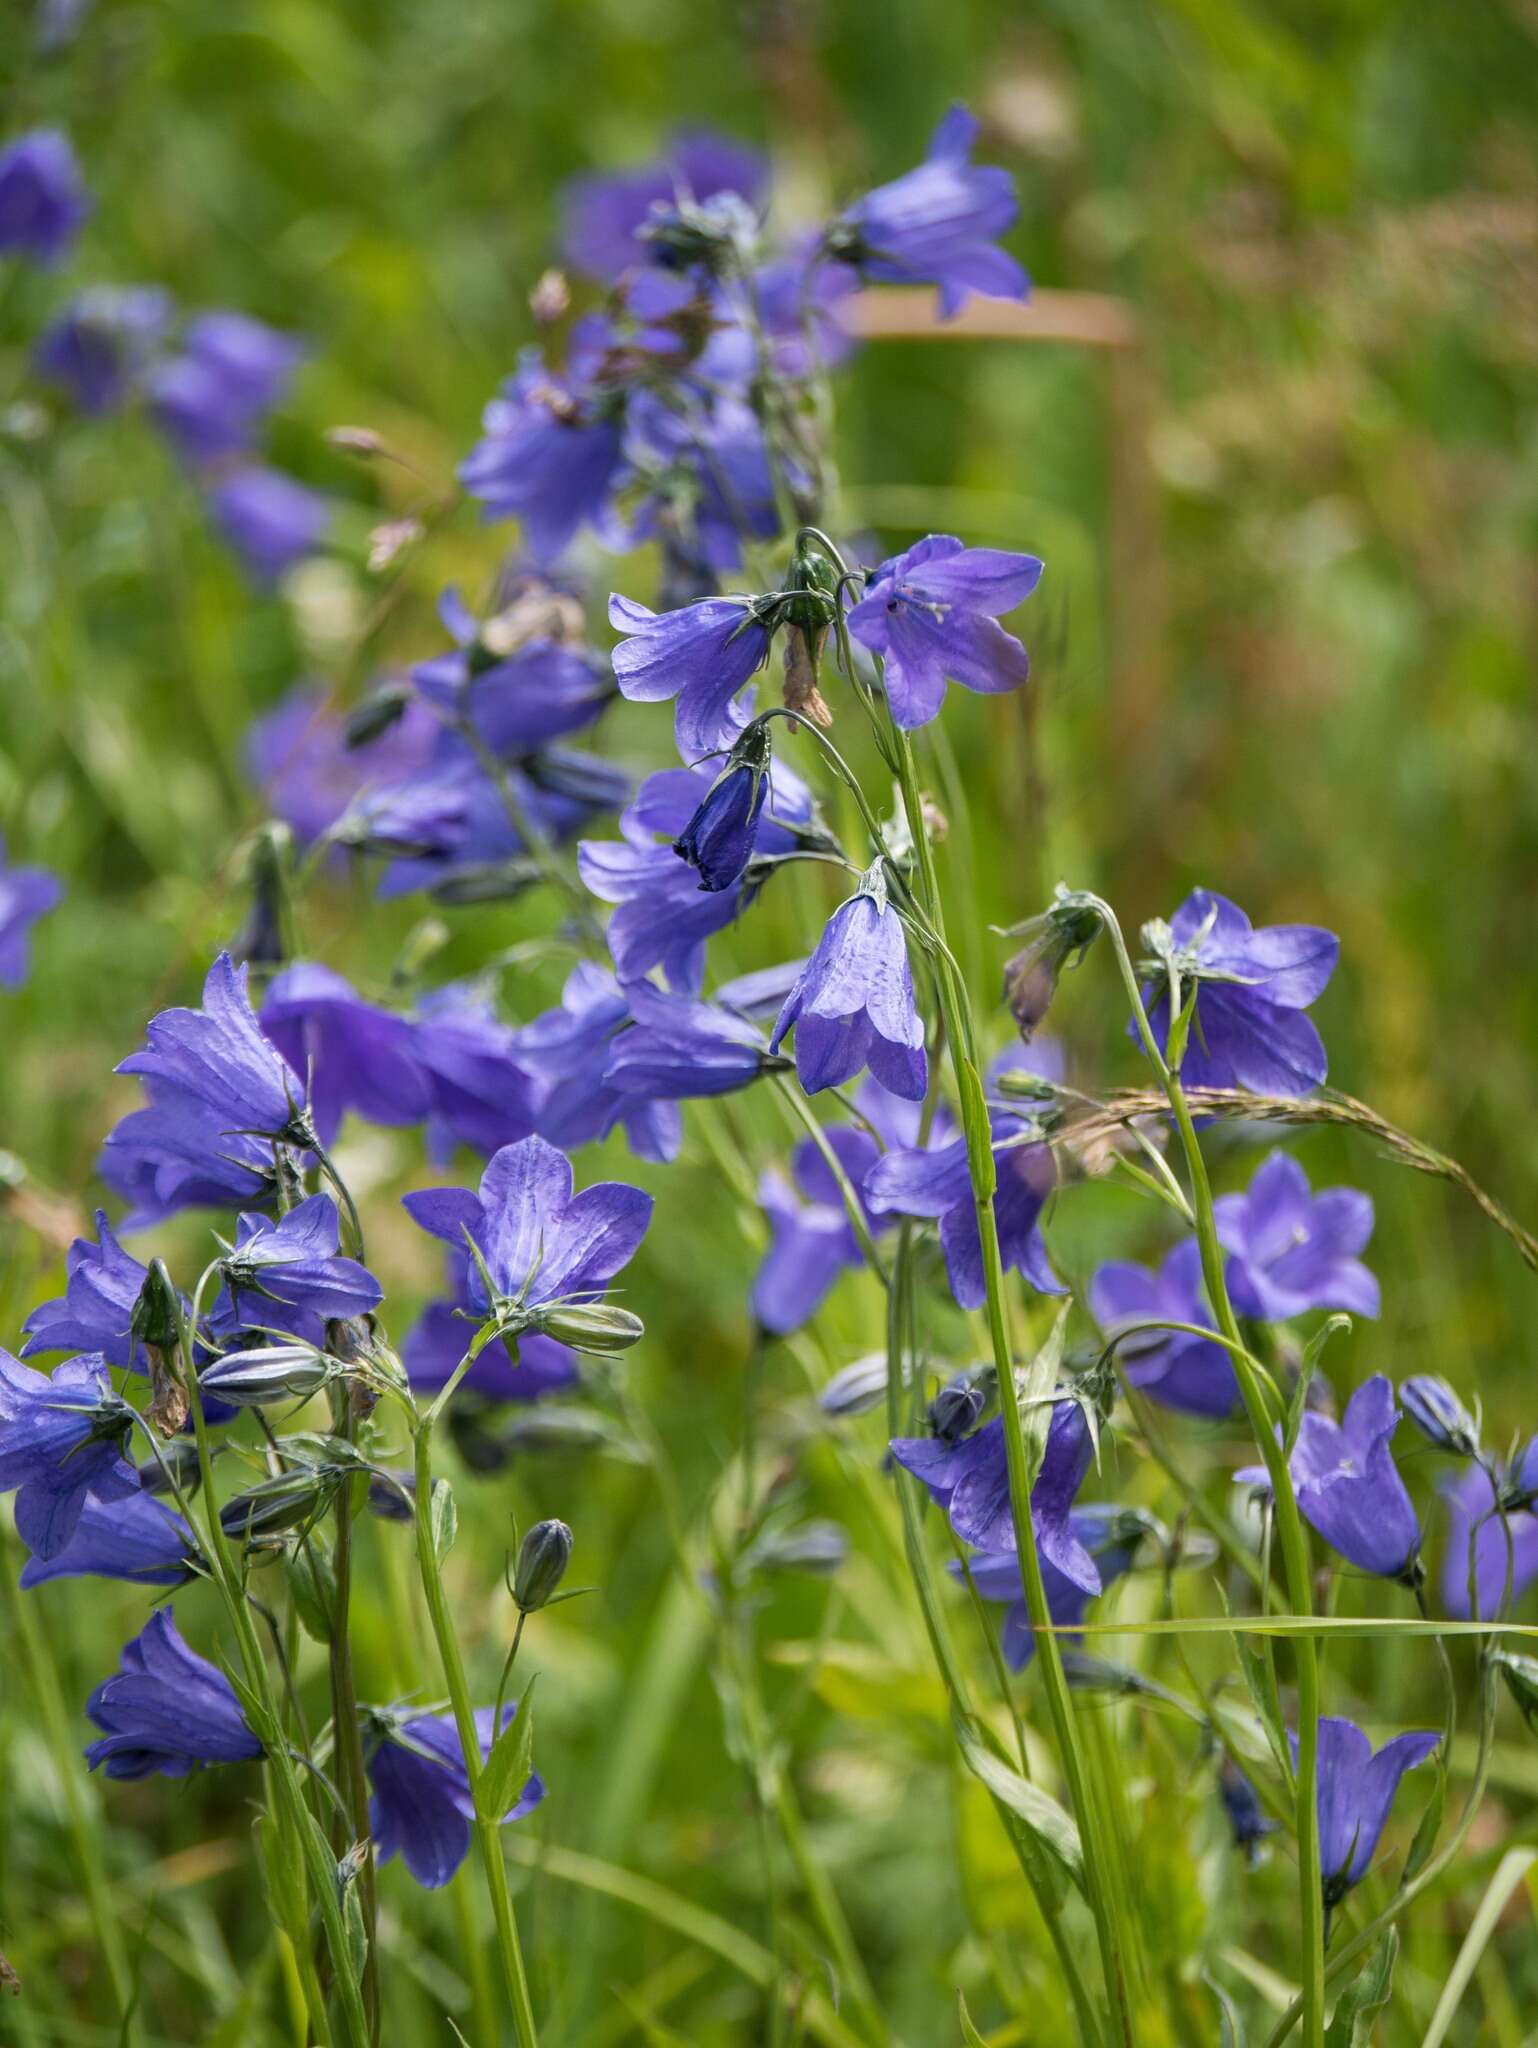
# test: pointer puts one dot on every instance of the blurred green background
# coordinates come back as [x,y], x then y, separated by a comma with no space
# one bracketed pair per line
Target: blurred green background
[1284,648]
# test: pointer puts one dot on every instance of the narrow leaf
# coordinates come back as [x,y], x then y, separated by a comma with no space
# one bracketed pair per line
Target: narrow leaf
[1260,1682]
[1045,1821]
[1306,1371]
[1036,1385]
[443,1517]
[507,1767]
[312,1587]
[1230,2025]
[970,2037]
[1365,1997]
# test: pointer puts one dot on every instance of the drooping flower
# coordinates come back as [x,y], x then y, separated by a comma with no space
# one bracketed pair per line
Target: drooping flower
[932,615]
[182,1153]
[42,196]
[1356,1790]
[220,1056]
[522,695]
[535,1366]
[1477,1541]
[937,224]
[270,521]
[101,1285]
[1349,1487]
[478,1091]
[1249,1030]
[703,655]
[309,768]
[1439,1415]
[970,1481]
[61,1438]
[354,1055]
[422,1806]
[136,1538]
[567,1050]
[603,211]
[854,1005]
[1110,1537]
[679,1049]
[1173,1368]
[213,395]
[289,1275]
[99,345]
[1292,1250]
[26,894]
[541,1244]
[166,1710]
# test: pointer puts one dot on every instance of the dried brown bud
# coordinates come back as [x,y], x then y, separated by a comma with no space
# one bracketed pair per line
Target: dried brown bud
[550,297]
[800,687]
[360,441]
[537,613]
[936,824]
[386,542]
[169,1406]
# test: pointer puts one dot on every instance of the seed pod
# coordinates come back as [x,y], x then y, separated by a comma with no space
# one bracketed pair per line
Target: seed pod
[543,1557]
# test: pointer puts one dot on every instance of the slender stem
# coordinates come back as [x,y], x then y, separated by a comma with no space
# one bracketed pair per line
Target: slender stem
[507,1672]
[487,1833]
[348,1735]
[956,1010]
[855,1209]
[1289,1523]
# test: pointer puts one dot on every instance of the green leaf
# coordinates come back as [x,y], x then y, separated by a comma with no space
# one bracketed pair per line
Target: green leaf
[354,1927]
[1306,1371]
[1260,1682]
[1048,1827]
[970,2037]
[1364,1998]
[1036,1385]
[1230,2025]
[1430,1822]
[312,1587]
[443,1518]
[257,1718]
[507,1767]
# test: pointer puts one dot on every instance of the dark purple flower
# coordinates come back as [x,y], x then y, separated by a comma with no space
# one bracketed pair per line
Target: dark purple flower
[970,1481]
[213,396]
[98,346]
[308,773]
[703,655]
[422,1806]
[718,840]
[220,1057]
[540,691]
[854,1005]
[679,1049]
[567,1052]
[136,1538]
[1349,1487]
[1476,1539]
[937,224]
[553,449]
[938,1183]
[1247,1818]
[26,894]
[288,1275]
[604,210]
[42,197]
[540,1242]
[535,1366]
[269,520]
[101,1285]
[355,1056]
[1293,1251]
[166,1710]
[478,1091]
[996,1574]
[1249,1030]
[181,1153]
[713,455]
[1178,1371]
[61,1439]
[932,615]
[1356,1790]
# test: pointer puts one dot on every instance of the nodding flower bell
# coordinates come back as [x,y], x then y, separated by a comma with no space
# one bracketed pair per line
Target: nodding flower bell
[1439,1415]
[1059,936]
[167,1710]
[718,840]
[854,1005]
[1356,1790]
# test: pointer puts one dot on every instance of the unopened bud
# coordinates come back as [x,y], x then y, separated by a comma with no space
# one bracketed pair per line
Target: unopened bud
[392,1496]
[275,1372]
[360,441]
[1439,1415]
[1031,976]
[388,540]
[157,1314]
[178,1467]
[550,297]
[376,714]
[591,1326]
[543,1557]
[814,1547]
[497,882]
[857,1389]
[276,1505]
[261,938]
[955,1408]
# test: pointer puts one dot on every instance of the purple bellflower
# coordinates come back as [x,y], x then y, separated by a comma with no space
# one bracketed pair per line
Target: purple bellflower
[1349,1487]
[937,224]
[26,894]
[182,1153]
[704,655]
[60,1440]
[1249,1030]
[679,1049]
[166,1710]
[854,1005]
[541,691]
[540,1243]
[97,348]
[567,1052]
[1356,1790]
[301,758]
[269,520]
[1476,1540]
[219,1056]
[538,1365]
[42,198]
[478,1092]
[604,210]
[102,1282]
[355,1056]
[970,1481]
[136,1538]
[288,1275]
[422,1808]
[1291,1250]
[932,615]
[1178,1371]
[211,398]
[996,1574]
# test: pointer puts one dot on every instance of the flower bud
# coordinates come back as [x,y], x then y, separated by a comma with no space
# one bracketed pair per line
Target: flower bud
[813,1547]
[1031,976]
[274,1372]
[543,1557]
[1439,1415]
[379,710]
[178,1462]
[157,1314]
[956,1408]
[590,1325]
[857,1389]
[392,1495]
[360,441]
[260,939]
[274,1506]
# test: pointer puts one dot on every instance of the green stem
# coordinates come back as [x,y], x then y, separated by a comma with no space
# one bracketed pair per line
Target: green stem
[956,1011]
[348,1735]
[487,1833]
[1289,1523]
